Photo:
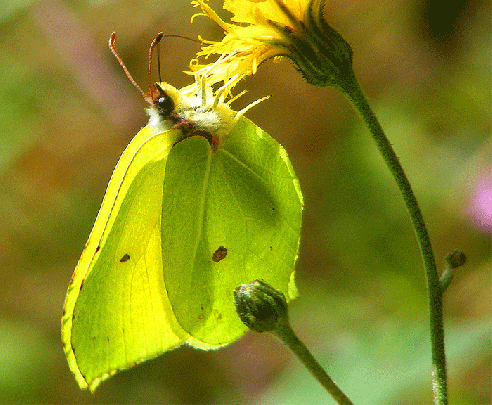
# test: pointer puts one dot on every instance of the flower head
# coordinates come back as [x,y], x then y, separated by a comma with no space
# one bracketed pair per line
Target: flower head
[266,29]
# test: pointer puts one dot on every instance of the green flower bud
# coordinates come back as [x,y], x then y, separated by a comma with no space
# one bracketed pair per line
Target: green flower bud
[259,306]
[456,258]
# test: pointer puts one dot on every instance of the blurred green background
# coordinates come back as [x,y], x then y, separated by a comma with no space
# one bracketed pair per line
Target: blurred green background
[67,112]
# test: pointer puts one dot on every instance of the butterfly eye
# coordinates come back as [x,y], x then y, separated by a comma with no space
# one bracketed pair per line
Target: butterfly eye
[164,104]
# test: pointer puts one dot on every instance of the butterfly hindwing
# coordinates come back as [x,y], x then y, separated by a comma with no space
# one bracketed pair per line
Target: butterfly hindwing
[242,197]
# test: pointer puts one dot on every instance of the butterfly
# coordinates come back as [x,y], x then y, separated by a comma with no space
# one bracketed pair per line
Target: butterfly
[201,201]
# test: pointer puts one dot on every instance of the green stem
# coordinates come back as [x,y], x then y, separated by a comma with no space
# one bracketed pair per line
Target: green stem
[353,91]
[447,277]
[285,333]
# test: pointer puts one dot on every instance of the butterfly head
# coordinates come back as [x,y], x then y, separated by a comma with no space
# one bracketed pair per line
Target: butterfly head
[195,109]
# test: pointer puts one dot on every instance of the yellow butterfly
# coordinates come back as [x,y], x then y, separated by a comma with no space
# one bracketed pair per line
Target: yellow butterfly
[201,201]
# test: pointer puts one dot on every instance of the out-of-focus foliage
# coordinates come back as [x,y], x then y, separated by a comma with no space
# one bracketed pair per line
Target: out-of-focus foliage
[68,112]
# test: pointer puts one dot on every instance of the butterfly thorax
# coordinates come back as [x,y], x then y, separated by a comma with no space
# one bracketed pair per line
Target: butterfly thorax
[186,110]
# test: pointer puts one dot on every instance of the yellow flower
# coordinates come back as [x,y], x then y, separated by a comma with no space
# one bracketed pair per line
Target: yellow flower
[265,29]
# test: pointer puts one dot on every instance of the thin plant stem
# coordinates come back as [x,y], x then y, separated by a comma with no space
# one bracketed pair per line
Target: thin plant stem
[285,333]
[435,293]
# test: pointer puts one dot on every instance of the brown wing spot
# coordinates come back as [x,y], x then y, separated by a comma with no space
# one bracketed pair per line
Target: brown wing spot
[217,314]
[125,258]
[219,254]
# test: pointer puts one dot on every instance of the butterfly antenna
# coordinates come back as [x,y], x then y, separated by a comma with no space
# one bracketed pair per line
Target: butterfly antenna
[159,63]
[112,46]
[154,43]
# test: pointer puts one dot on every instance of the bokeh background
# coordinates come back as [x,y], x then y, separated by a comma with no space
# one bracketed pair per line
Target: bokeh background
[67,111]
